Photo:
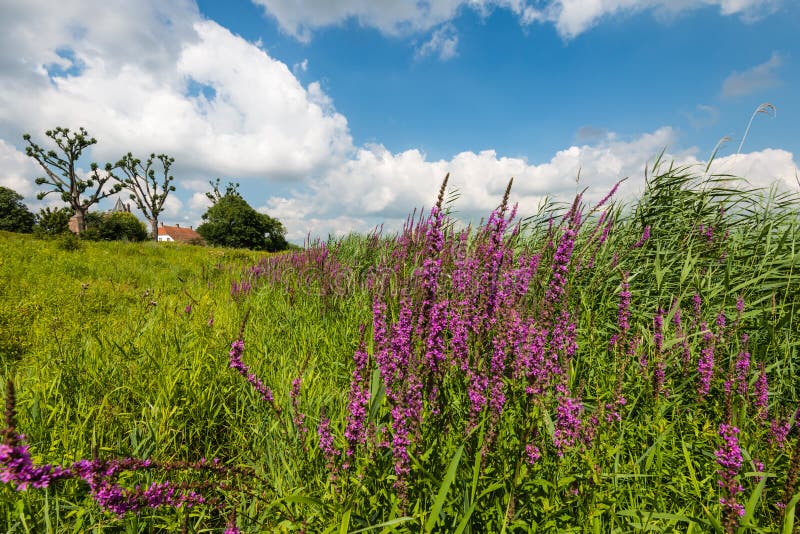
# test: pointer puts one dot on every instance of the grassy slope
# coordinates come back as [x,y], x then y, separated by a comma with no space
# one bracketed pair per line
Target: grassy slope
[103,369]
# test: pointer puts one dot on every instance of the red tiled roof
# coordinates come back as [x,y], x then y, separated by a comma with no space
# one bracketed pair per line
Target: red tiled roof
[183,235]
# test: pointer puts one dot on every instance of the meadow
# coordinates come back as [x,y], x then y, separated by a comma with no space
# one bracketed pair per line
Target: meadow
[593,367]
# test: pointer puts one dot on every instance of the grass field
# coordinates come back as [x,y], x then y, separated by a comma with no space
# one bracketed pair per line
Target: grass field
[587,368]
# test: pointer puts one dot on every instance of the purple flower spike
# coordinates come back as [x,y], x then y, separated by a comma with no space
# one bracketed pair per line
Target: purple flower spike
[729,459]
[644,238]
[237,349]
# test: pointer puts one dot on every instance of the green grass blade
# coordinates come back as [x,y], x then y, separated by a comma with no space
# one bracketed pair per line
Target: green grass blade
[443,490]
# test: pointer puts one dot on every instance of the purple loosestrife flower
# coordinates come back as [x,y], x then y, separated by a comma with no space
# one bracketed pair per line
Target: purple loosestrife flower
[497,397]
[239,290]
[459,348]
[658,328]
[742,369]
[119,500]
[476,391]
[16,467]
[729,459]
[560,267]
[705,366]
[568,421]
[779,431]
[607,197]
[326,437]
[298,417]
[355,431]
[697,303]
[237,350]
[624,308]
[434,338]
[761,391]
[532,453]
[644,238]
[612,409]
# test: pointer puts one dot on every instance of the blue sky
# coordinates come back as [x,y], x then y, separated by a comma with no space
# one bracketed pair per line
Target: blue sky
[526,91]
[340,115]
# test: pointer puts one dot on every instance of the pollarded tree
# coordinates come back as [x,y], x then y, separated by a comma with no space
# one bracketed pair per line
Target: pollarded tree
[147,189]
[61,172]
[14,215]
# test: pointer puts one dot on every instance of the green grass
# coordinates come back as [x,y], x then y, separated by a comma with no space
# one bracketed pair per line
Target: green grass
[107,361]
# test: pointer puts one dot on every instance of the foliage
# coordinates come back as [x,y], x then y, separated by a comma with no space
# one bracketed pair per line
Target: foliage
[14,214]
[122,226]
[551,378]
[232,189]
[231,222]
[53,221]
[148,191]
[61,171]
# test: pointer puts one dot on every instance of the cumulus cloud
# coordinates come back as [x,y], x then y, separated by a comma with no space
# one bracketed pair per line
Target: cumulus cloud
[380,188]
[393,17]
[17,171]
[157,77]
[758,78]
[760,169]
[401,17]
[443,43]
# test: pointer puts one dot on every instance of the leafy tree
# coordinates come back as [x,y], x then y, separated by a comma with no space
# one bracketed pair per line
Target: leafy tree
[231,222]
[61,173]
[215,196]
[147,189]
[14,214]
[121,226]
[53,221]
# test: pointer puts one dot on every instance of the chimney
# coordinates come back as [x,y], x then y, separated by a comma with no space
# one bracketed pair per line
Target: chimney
[162,224]
[177,225]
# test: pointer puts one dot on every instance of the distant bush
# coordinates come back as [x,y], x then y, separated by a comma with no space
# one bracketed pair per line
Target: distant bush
[122,226]
[53,221]
[69,242]
[118,226]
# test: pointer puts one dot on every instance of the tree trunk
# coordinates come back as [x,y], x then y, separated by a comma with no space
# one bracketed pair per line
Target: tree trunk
[80,218]
[154,228]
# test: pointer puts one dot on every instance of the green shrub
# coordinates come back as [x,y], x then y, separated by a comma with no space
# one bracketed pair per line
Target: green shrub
[53,221]
[122,226]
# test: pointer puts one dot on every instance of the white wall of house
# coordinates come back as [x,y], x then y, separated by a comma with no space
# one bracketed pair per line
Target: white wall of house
[165,238]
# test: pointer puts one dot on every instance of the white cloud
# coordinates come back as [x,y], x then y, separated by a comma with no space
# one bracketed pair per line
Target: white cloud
[17,171]
[253,119]
[755,79]
[157,77]
[401,17]
[393,17]
[762,168]
[443,43]
[378,186]
[300,67]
